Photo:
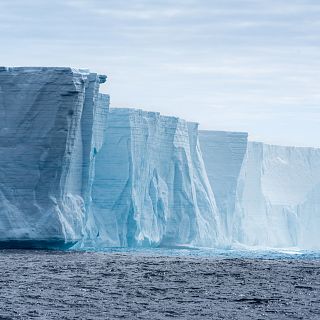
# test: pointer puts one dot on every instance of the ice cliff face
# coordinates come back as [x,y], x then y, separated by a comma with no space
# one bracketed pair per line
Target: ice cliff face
[223,154]
[278,197]
[150,185]
[267,196]
[97,135]
[46,121]
[71,171]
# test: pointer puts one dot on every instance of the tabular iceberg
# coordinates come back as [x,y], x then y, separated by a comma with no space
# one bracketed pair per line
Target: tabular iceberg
[150,185]
[46,119]
[73,171]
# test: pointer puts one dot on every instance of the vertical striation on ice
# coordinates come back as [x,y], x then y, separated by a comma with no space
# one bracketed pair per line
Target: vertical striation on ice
[100,117]
[73,171]
[150,185]
[223,154]
[46,122]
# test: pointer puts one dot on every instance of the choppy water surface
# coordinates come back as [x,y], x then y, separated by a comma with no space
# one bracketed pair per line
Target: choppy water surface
[159,284]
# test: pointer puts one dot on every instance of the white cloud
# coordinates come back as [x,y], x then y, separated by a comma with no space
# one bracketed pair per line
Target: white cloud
[236,64]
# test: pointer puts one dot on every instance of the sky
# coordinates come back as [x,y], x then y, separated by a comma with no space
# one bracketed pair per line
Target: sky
[236,65]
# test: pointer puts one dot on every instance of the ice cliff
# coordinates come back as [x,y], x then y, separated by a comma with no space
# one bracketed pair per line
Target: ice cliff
[150,185]
[279,197]
[74,172]
[46,120]
[267,196]
[223,154]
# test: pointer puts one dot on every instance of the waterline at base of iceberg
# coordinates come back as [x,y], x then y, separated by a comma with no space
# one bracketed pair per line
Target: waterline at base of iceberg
[218,253]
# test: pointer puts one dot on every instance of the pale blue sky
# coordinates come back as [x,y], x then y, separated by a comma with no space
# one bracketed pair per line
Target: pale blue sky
[241,65]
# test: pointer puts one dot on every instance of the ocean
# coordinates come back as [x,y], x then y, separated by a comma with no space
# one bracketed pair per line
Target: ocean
[159,284]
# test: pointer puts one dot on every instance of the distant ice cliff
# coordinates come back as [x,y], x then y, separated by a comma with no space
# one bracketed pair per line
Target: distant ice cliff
[278,197]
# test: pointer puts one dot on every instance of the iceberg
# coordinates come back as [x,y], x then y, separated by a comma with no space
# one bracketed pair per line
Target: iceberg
[75,173]
[150,186]
[46,118]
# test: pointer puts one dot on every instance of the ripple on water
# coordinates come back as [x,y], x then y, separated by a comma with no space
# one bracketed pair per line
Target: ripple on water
[158,284]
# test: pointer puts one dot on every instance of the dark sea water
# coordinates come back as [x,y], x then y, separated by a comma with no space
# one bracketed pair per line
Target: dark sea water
[158,284]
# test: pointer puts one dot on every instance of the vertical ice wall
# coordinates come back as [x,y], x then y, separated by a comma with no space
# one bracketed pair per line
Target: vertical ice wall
[100,117]
[278,197]
[223,154]
[46,119]
[267,196]
[150,185]
[70,170]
